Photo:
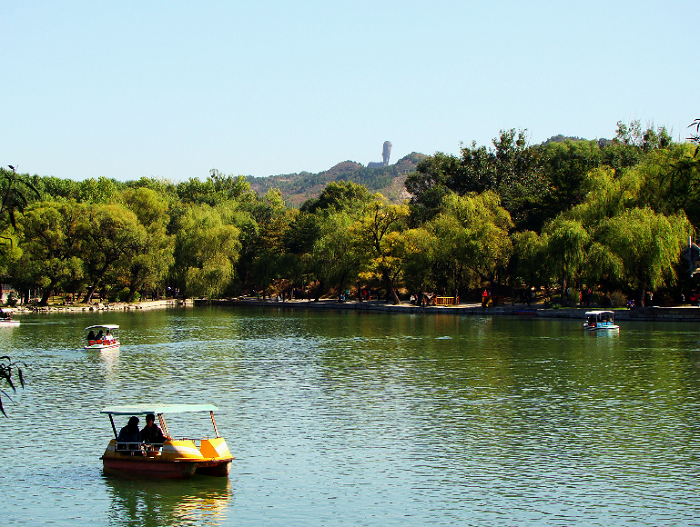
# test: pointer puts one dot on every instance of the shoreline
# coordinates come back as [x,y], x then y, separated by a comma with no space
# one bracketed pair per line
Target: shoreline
[647,314]
[107,306]
[654,313]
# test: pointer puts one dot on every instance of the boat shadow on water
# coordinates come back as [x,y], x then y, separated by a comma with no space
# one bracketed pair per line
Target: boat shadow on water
[200,500]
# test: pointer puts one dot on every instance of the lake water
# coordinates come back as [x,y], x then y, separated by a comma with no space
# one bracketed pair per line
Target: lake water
[352,419]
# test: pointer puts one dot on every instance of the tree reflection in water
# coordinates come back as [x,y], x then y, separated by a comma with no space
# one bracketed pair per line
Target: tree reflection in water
[201,500]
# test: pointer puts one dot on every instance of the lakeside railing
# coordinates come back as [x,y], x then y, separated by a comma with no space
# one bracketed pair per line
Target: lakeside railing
[445,300]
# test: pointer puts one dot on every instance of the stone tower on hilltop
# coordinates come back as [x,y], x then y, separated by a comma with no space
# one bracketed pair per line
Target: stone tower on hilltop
[386,154]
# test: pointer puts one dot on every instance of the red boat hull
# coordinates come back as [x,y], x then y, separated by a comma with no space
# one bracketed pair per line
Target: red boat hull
[144,466]
[219,469]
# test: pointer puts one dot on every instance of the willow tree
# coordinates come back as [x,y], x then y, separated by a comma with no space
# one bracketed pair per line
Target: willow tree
[566,242]
[111,234]
[298,240]
[152,259]
[379,233]
[630,228]
[529,254]
[336,256]
[647,244]
[52,241]
[419,260]
[265,247]
[472,237]
[205,252]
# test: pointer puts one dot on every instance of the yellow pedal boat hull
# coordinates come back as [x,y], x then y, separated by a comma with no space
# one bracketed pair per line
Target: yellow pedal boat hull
[179,459]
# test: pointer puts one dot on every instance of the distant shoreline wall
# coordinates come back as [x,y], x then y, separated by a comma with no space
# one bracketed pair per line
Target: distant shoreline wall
[115,306]
[661,314]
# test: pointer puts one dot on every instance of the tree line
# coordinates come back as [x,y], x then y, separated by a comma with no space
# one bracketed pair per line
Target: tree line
[565,216]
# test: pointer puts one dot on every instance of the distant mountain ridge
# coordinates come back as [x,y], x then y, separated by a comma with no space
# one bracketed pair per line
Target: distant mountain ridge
[388,180]
[297,188]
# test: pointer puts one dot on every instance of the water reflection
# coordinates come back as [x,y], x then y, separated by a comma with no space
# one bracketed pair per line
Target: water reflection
[110,361]
[145,503]
[364,419]
[603,334]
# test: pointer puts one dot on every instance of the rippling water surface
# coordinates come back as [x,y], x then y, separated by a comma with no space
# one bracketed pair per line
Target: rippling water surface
[341,419]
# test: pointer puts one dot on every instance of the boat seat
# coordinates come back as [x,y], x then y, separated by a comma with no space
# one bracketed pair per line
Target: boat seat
[129,449]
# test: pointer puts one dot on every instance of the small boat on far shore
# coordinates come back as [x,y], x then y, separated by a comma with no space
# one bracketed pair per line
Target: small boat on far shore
[104,339]
[600,320]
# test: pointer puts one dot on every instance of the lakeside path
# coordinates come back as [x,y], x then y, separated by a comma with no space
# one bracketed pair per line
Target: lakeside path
[112,306]
[665,314]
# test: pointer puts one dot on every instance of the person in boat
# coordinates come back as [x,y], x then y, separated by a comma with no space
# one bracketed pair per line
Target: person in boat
[130,433]
[151,433]
[99,335]
[91,336]
[108,338]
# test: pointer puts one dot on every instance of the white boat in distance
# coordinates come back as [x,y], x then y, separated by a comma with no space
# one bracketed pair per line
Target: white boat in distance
[104,339]
[600,320]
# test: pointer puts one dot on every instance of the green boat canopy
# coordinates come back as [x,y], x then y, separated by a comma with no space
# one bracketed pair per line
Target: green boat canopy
[140,409]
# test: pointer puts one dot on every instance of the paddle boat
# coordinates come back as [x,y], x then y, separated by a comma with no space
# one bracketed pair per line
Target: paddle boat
[104,339]
[600,320]
[173,458]
[6,318]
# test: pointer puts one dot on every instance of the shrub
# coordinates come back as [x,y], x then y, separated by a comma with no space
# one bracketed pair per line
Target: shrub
[618,299]
[12,300]
[573,297]
[124,294]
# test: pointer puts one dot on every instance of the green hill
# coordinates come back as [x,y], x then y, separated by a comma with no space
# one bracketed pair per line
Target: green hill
[297,188]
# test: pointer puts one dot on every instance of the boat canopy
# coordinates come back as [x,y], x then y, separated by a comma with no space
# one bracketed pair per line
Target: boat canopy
[103,326]
[139,409]
[593,313]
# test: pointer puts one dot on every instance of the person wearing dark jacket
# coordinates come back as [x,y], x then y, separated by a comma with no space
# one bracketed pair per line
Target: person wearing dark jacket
[151,433]
[130,433]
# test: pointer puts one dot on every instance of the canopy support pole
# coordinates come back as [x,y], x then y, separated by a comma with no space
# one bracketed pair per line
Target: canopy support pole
[163,426]
[213,421]
[111,419]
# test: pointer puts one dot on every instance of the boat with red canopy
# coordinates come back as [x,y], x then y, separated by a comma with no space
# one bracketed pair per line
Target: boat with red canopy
[102,337]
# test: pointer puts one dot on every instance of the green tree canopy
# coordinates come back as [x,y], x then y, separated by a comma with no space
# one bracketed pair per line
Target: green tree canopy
[205,252]
[648,245]
[472,237]
[111,235]
[149,265]
[52,236]
[379,233]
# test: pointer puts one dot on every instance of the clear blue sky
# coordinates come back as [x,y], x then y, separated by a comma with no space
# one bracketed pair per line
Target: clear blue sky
[125,89]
